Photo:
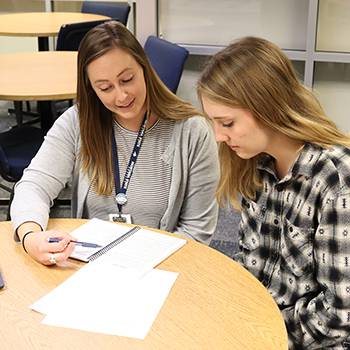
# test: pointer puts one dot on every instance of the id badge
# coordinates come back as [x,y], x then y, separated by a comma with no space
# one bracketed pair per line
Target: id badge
[123,218]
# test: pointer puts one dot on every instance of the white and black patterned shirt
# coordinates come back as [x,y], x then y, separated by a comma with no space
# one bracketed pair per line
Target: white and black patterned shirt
[295,238]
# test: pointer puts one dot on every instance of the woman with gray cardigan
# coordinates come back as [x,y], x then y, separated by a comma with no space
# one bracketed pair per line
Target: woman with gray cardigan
[135,151]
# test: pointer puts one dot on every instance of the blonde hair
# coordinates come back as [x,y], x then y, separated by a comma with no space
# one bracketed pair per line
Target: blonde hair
[96,121]
[254,74]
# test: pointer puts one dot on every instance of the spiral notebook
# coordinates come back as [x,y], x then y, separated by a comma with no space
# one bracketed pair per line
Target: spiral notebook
[126,247]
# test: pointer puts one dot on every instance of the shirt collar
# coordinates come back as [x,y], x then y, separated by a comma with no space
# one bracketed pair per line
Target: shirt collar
[302,166]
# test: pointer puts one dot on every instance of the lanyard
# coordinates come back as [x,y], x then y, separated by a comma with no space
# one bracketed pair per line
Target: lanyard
[120,191]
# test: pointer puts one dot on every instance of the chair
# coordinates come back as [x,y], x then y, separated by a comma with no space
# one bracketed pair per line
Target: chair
[17,148]
[167,59]
[118,10]
[70,35]
[68,39]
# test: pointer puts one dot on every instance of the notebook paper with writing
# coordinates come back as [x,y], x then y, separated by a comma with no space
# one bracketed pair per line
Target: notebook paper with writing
[131,248]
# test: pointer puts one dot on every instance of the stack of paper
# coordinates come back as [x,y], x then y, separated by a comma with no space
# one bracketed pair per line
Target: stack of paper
[100,298]
[119,293]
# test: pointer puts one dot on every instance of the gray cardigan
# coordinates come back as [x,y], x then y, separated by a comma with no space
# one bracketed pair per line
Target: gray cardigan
[192,208]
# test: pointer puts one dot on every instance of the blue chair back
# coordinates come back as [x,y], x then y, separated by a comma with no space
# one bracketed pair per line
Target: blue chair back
[17,148]
[70,35]
[167,59]
[118,10]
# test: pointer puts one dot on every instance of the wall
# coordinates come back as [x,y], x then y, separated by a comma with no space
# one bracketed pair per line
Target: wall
[213,24]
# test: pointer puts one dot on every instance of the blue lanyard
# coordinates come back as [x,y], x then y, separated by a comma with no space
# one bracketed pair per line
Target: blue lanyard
[120,191]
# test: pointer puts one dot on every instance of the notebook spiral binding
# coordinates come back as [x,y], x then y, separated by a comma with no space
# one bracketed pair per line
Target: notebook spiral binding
[114,243]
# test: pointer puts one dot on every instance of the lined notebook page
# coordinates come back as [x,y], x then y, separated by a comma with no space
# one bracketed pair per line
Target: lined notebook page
[143,250]
[138,253]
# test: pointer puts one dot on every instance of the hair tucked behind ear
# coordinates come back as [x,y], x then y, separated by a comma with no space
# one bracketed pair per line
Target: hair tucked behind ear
[254,74]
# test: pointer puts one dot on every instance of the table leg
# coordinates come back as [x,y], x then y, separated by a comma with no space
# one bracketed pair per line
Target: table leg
[18,112]
[43,43]
[47,113]
[45,108]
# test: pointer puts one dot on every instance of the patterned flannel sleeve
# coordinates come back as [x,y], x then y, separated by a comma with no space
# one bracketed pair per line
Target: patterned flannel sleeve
[323,320]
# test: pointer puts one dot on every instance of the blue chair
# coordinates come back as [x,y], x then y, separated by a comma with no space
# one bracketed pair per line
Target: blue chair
[17,148]
[167,59]
[70,35]
[69,38]
[119,10]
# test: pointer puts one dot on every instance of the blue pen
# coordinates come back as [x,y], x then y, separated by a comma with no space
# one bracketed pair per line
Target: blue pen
[83,244]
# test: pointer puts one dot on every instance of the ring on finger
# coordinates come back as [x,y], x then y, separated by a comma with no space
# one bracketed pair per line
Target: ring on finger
[52,259]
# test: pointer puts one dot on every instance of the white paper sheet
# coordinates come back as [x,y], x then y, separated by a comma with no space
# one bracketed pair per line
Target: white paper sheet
[101,298]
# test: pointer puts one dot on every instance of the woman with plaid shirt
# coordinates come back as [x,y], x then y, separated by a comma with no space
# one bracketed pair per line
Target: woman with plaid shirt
[290,166]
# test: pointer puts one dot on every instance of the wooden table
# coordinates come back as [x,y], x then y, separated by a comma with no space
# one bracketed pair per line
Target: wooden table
[41,24]
[214,304]
[38,76]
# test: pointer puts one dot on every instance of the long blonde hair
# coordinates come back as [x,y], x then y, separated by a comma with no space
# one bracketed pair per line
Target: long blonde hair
[254,74]
[96,121]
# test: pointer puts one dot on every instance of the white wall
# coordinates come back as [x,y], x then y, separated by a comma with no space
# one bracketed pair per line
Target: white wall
[283,22]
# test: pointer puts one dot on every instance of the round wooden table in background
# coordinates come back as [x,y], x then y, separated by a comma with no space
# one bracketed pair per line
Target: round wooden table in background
[39,76]
[214,304]
[41,24]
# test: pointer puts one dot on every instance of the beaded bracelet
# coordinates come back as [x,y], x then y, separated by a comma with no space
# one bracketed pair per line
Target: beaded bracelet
[23,238]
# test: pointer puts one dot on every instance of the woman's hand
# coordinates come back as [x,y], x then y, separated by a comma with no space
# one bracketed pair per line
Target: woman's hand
[38,247]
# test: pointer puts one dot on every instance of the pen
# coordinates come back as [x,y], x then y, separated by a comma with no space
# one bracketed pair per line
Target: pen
[83,244]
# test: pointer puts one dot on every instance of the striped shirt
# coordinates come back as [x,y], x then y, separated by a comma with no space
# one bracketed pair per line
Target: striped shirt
[148,190]
[295,238]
